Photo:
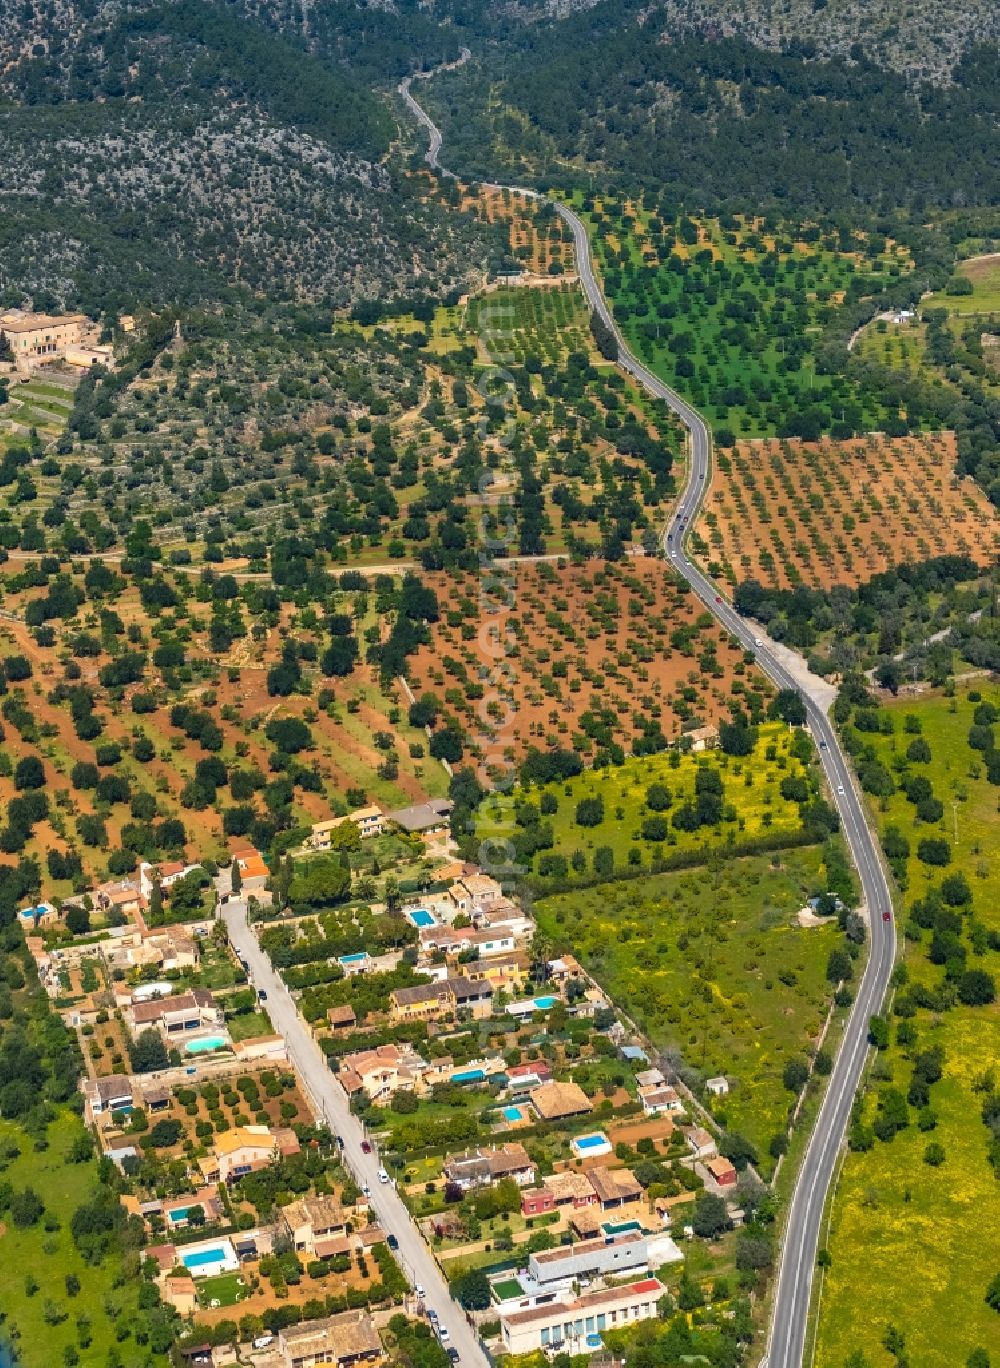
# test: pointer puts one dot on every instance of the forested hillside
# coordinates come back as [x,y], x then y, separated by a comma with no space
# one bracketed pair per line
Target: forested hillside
[172,152]
[724,123]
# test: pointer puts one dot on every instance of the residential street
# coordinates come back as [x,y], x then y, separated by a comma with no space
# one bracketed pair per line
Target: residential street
[414,1256]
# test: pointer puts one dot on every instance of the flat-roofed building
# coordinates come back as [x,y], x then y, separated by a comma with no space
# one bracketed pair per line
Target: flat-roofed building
[598,1258]
[574,1325]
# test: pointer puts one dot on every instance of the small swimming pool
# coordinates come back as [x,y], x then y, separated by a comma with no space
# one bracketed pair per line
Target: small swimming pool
[597,1143]
[544,1003]
[469,1076]
[594,1341]
[356,958]
[205,1043]
[620,1227]
[178,1214]
[421,918]
[513,1114]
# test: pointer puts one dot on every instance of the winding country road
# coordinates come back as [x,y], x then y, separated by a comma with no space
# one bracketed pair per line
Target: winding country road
[787,1337]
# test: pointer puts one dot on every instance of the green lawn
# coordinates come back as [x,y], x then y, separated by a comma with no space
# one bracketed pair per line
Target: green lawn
[48,1257]
[712,962]
[227,1289]
[752,802]
[248,1025]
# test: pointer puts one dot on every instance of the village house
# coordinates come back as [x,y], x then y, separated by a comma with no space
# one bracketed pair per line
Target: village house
[503,913]
[425,819]
[481,1167]
[37,338]
[339,1340]
[443,998]
[523,1076]
[177,1015]
[102,1096]
[473,892]
[615,1188]
[502,973]
[718,1087]
[250,862]
[721,1171]
[165,947]
[381,1072]
[557,1101]
[572,1325]
[602,1257]
[178,1290]
[245,1149]
[570,1188]
[370,821]
[703,738]
[318,1226]
[165,874]
[121,895]
[700,1142]
[656,1101]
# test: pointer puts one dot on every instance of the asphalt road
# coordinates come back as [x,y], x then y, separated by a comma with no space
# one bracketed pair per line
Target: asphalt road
[414,1256]
[789,1322]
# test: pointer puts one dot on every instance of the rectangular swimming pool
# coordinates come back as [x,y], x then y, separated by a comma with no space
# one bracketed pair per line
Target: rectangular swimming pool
[198,1258]
[513,1114]
[469,1076]
[421,918]
[204,1044]
[590,1144]
[178,1214]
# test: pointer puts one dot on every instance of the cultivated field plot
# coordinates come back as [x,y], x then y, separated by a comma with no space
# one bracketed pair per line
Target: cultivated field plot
[540,242]
[731,311]
[36,411]
[579,656]
[714,964]
[822,513]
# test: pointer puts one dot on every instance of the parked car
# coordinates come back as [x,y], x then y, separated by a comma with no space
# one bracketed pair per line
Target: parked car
[443,1332]
[391,1241]
[366,1147]
[262,995]
[383,1177]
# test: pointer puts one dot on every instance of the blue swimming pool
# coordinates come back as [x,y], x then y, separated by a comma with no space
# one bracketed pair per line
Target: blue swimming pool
[421,918]
[544,1003]
[200,1257]
[591,1142]
[178,1214]
[469,1076]
[513,1114]
[205,1043]
[356,958]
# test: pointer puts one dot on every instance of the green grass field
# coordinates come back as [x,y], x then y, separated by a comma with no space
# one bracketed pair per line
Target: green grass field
[922,1239]
[984,272]
[752,801]
[894,1214]
[106,1300]
[714,963]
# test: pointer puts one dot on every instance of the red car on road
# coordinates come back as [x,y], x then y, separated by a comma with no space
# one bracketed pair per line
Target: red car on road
[366,1146]
[887,916]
